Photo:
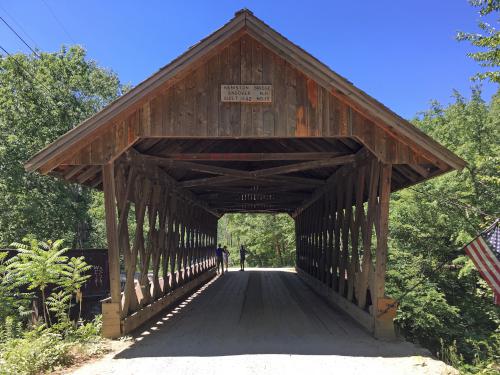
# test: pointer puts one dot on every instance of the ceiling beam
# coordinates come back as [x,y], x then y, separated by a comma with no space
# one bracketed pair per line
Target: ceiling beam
[222,207]
[284,169]
[253,195]
[251,156]
[258,211]
[256,189]
[230,174]
[251,180]
[294,201]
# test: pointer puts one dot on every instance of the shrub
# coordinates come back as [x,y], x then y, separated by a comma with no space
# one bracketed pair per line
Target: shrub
[39,265]
[90,331]
[10,328]
[38,350]
[42,266]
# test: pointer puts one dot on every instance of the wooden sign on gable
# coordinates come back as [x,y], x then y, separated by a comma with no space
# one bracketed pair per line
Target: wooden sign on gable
[246,93]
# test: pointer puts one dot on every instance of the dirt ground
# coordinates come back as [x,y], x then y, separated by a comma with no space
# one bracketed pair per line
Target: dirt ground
[260,322]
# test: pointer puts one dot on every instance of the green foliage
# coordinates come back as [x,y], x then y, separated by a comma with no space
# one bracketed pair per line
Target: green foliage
[98,221]
[42,349]
[90,331]
[451,311]
[73,275]
[10,328]
[269,238]
[488,41]
[59,303]
[36,351]
[40,264]
[30,350]
[41,99]
[37,265]
[13,303]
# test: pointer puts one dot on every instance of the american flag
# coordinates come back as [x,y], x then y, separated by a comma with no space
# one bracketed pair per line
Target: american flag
[484,251]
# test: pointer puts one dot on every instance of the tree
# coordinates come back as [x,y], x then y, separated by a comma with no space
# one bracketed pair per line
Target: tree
[270,238]
[429,225]
[73,276]
[488,41]
[38,265]
[41,99]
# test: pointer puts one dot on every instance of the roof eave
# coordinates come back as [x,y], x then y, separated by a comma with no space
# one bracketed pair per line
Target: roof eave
[245,20]
[63,143]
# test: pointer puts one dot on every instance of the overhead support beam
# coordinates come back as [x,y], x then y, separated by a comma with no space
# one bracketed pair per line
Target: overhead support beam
[252,195]
[255,180]
[228,175]
[135,158]
[361,157]
[251,156]
[256,189]
[257,211]
[284,169]
[253,205]
[284,203]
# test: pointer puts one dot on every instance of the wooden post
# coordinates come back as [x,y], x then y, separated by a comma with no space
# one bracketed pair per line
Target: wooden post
[111,311]
[384,327]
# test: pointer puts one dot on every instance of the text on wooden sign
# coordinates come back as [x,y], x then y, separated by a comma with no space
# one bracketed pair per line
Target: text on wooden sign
[246,93]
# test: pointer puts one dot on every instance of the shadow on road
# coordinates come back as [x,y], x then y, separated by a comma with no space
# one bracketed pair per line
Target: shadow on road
[258,312]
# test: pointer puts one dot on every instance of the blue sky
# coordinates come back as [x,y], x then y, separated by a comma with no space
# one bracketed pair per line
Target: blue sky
[403,53]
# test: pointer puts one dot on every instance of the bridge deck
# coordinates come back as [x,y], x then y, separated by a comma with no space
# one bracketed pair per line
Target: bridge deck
[259,321]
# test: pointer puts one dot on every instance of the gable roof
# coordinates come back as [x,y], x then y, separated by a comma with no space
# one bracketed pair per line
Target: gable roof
[245,22]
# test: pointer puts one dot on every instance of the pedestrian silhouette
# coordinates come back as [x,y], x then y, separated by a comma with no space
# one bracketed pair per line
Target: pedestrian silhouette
[243,253]
[220,265]
[225,255]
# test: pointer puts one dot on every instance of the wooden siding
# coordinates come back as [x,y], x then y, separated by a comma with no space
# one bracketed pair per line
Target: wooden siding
[192,108]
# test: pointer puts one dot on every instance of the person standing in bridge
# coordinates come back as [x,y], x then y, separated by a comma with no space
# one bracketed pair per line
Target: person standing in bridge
[225,255]
[243,253]
[220,265]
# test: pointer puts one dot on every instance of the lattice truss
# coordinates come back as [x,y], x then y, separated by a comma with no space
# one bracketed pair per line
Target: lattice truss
[342,237]
[170,235]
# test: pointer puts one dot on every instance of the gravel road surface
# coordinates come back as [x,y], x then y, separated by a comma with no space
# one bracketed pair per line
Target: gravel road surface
[260,321]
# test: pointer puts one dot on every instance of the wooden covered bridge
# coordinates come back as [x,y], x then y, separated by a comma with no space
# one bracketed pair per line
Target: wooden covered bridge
[245,121]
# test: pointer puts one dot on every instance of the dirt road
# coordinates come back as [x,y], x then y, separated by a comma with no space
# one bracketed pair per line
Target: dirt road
[261,322]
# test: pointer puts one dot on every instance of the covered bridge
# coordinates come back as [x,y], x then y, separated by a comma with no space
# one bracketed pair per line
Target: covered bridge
[245,121]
